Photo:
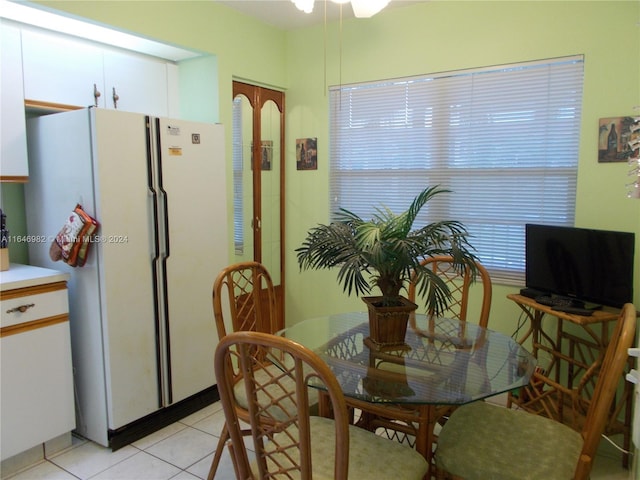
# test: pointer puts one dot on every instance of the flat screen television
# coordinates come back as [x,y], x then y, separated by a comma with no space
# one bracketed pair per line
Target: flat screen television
[588,265]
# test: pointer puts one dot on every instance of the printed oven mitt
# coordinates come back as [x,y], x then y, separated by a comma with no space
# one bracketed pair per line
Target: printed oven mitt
[71,244]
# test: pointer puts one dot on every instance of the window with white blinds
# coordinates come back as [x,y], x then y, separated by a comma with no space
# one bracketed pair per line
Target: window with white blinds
[237,159]
[503,140]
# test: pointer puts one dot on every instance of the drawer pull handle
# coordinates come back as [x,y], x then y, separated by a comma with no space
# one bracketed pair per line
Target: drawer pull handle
[21,308]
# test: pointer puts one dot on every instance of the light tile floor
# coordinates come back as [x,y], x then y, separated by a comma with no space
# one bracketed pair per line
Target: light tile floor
[184,450]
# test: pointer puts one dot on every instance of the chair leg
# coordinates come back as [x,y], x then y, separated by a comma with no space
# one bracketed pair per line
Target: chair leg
[234,460]
[224,436]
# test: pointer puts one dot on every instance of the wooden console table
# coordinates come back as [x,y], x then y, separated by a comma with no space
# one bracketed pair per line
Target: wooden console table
[562,388]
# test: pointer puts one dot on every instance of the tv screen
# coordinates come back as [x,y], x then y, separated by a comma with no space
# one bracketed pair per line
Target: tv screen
[585,264]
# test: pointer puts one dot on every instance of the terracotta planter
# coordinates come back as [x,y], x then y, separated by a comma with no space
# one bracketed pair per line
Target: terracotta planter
[388,325]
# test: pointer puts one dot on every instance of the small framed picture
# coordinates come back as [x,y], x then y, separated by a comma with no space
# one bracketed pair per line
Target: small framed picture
[307,153]
[614,136]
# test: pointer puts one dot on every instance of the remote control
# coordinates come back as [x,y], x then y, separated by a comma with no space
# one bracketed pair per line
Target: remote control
[585,312]
[559,301]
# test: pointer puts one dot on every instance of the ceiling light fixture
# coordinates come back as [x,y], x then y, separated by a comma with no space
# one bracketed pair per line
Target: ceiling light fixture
[361,8]
[305,5]
[367,8]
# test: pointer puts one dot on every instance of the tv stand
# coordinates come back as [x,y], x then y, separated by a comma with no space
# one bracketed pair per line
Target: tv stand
[562,385]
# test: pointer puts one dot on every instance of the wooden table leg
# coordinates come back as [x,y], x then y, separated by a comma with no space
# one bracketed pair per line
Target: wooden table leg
[425,438]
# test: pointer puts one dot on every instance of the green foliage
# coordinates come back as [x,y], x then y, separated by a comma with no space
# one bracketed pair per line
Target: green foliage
[387,250]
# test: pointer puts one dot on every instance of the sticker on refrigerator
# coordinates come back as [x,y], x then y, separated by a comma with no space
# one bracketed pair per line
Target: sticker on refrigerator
[177,151]
[173,130]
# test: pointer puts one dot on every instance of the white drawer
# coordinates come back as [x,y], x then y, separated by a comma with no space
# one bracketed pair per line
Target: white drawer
[33,303]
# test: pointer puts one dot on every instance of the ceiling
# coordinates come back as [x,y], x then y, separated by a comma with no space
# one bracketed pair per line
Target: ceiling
[284,14]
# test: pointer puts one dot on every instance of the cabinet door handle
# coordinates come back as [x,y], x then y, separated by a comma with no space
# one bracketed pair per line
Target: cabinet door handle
[21,308]
[96,94]
[115,98]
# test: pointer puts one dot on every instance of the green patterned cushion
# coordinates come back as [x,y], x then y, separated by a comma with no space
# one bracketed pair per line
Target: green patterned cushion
[370,456]
[483,441]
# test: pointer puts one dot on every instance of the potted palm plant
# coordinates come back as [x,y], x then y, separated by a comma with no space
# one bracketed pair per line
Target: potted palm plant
[386,252]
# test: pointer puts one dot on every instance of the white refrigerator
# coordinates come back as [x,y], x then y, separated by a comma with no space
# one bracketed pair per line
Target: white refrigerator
[142,327]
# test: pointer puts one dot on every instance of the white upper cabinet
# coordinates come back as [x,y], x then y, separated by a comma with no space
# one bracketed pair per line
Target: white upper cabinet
[13,153]
[139,84]
[59,69]
[66,70]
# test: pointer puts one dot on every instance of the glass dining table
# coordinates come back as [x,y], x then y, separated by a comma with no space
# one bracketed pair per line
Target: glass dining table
[442,363]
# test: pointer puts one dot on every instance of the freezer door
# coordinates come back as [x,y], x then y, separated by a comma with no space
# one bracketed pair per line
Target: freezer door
[193,177]
[126,251]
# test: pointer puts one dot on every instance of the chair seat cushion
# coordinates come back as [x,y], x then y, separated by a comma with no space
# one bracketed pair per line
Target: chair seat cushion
[370,456]
[482,441]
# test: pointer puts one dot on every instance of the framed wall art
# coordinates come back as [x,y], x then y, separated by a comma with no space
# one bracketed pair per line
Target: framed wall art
[307,153]
[614,135]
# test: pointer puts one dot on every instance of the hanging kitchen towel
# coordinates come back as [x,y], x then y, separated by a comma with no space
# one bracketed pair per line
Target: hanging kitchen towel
[71,244]
[86,236]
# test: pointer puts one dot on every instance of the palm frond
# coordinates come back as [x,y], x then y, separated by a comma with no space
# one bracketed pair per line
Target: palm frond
[386,252]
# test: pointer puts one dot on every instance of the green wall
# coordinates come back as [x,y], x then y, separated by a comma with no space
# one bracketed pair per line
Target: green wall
[449,35]
[430,37]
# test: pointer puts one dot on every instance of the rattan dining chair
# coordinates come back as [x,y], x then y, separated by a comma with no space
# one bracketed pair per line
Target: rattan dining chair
[289,442]
[244,299]
[399,422]
[483,441]
[459,282]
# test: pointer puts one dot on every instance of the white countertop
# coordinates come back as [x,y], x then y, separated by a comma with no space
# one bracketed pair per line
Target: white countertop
[20,276]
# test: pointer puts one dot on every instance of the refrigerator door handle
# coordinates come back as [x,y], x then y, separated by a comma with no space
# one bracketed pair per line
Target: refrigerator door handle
[155,260]
[167,247]
[164,303]
[163,192]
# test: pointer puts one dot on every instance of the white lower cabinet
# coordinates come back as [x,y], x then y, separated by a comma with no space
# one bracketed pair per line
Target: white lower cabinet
[37,401]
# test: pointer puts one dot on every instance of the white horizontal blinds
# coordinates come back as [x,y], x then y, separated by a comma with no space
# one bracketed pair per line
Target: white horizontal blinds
[238,228]
[503,139]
